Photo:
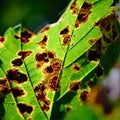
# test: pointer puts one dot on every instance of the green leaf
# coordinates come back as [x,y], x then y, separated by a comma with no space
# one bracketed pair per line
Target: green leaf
[42,74]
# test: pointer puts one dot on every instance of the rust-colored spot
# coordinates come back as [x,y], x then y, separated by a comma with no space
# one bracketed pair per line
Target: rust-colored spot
[45,107]
[39,87]
[24,54]
[47,102]
[17,62]
[15,75]
[99,71]
[66,40]
[16,37]
[56,65]
[82,17]
[39,64]
[25,108]
[42,43]
[41,95]
[64,31]
[91,41]
[46,28]
[17,92]
[40,56]
[93,55]
[76,67]
[4,87]
[86,6]
[25,36]
[74,86]
[51,55]
[29,119]
[2,39]
[73,5]
[84,96]
[105,23]
[48,70]
[53,83]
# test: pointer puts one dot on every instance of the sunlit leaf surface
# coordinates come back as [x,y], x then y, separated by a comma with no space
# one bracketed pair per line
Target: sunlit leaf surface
[46,75]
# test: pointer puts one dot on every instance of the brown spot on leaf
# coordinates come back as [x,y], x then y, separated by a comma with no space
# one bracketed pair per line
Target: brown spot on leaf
[39,64]
[74,86]
[24,54]
[53,83]
[45,107]
[76,67]
[17,62]
[2,39]
[39,87]
[48,70]
[4,87]
[46,28]
[17,92]
[84,96]
[56,65]
[51,55]
[82,17]
[86,6]
[25,36]
[15,75]
[90,83]
[92,41]
[41,95]
[73,5]
[66,40]
[93,55]
[25,108]
[40,56]
[42,43]
[64,31]
[16,37]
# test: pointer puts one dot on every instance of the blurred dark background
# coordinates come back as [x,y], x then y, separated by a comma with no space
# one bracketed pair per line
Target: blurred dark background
[33,14]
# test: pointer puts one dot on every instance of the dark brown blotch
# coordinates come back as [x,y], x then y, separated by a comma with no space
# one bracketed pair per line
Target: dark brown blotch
[17,92]
[25,108]
[45,107]
[64,31]
[24,54]
[51,55]
[48,70]
[74,86]
[46,28]
[84,96]
[40,56]
[73,5]
[76,67]
[66,40]
[17,62]
[53,83]
[86,6]
[25,36]
[2,39]
[93,55]
[56,65]
[43,42]
[16,37]
[68,108]
[39,87]
[4,87]
[17,76]
[41,95]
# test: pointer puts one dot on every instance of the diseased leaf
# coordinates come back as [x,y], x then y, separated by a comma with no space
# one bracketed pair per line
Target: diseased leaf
[44,76]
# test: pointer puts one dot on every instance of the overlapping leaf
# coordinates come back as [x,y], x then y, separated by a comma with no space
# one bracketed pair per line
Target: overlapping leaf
[40,74]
